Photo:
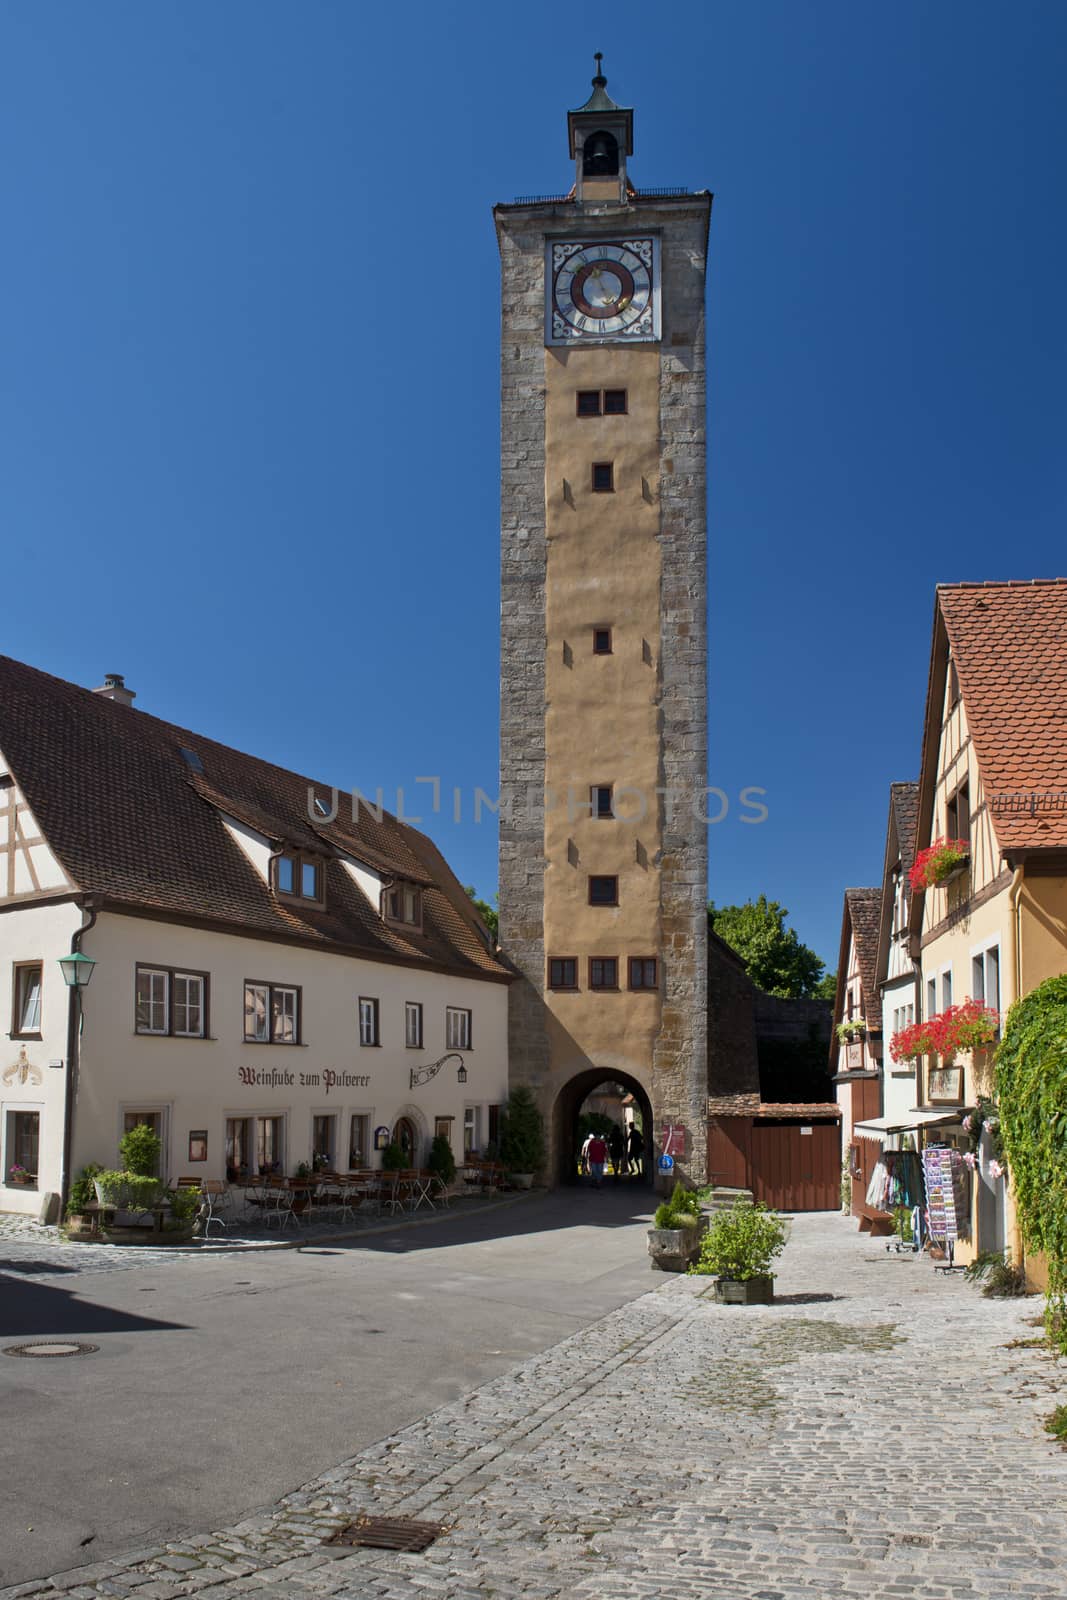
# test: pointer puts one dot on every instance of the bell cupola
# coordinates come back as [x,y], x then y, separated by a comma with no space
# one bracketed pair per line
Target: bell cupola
[601,137]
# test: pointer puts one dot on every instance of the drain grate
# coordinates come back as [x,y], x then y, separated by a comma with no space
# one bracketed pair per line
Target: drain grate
[388,1533]
[50,1348]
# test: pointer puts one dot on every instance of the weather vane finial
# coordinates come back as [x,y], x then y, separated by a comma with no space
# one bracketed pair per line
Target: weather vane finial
[599,80]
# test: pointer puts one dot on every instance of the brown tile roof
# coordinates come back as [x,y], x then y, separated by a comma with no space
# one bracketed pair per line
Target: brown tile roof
[771,1111]
[733,1105]
[133,824]
[904,799]
[864,908]
[1009,643]
[750,1105]
[900,837]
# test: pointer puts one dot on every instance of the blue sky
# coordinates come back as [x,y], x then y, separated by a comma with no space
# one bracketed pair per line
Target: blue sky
[248,411]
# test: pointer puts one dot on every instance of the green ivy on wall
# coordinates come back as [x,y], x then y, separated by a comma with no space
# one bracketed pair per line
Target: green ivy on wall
[1031,1078]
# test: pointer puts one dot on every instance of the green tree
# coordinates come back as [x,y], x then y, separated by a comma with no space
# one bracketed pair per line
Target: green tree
[489,914]
[773,955]
[826,988]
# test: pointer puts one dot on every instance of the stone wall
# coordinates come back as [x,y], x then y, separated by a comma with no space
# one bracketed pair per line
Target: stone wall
[523,554]
[679,1064]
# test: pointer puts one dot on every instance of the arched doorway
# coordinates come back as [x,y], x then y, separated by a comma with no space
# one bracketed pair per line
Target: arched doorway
[405,1136]
[568,1107]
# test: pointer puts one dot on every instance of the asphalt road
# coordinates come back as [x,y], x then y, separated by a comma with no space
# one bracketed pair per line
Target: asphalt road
[223,1382]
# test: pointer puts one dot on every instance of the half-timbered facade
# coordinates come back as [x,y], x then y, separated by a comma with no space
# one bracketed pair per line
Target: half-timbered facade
[281,972]
[855,1051]
[994,778]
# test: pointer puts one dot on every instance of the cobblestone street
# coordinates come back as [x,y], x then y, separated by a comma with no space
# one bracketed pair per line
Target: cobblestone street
[679,1447]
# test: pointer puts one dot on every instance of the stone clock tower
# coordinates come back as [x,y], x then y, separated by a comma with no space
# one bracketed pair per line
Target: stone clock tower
[603,842]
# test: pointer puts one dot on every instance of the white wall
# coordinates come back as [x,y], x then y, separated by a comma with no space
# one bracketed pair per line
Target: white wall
[197,1083]
[35,933]
[898,1078]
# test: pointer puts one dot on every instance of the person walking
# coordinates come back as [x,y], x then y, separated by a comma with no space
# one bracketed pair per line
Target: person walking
[617,1146]
[598,1155]
[636,1149]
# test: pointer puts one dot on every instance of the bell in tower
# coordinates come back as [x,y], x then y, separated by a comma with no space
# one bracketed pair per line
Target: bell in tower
[601,137]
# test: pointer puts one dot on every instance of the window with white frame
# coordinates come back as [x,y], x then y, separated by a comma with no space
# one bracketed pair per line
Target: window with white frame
[946,988]
[931,998]
[472,1130]
[985,976]
[903,1017]
[457,1028]
[26,1000]
[413,1024]
[368,1022]
[170,1002]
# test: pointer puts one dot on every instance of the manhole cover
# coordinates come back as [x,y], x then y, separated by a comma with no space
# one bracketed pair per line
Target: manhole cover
[388,1533]
[51,1347]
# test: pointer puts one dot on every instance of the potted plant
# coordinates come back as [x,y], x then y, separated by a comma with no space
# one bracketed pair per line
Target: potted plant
[393,1159]
[133,1190]
[21,1177]
[522,1138]
[738,1250]
[441,1162]
[675,1234]
[852,1031]
[82,1194]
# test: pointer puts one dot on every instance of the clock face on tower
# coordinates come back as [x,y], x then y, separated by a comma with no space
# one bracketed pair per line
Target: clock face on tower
[602,291]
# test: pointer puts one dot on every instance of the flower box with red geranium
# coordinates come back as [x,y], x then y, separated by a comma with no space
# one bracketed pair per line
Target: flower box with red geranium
[969,1026]
[939,862]
[907,1044]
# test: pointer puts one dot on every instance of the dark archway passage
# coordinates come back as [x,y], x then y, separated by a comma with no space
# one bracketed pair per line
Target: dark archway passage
[565,1120]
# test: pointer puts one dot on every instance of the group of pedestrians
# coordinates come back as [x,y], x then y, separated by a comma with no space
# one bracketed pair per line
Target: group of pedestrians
[626,1151]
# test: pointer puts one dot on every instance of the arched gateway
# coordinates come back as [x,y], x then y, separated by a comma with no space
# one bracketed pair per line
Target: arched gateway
[564,1139]
[603,835]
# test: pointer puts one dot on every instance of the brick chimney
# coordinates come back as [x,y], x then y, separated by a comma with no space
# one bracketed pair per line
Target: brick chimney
[114,688]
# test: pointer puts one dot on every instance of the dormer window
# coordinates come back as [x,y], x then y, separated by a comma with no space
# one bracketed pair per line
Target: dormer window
[402,903]
[299,878]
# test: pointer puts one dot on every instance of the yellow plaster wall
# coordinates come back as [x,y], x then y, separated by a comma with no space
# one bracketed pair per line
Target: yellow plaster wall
[1043,929]
[602,719]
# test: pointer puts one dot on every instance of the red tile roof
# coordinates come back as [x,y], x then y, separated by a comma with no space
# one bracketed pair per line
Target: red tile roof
[1009,644]
[134,825]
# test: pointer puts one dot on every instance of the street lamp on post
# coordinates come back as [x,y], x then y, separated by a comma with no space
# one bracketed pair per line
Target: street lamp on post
[77,970]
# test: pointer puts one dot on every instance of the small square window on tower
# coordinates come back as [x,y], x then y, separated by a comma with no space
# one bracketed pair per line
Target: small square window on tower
[603,891]
[602,641]
[614,402]
[603,477]
[600,797]
[589,402]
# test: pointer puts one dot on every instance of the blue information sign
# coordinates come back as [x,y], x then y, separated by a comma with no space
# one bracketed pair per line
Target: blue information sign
[665,1163]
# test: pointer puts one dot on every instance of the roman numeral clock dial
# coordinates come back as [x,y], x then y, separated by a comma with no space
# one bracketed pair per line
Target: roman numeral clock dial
[603,291]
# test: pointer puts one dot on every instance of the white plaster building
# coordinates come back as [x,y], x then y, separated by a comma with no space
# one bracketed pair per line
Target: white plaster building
[273,964]
[897,972]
